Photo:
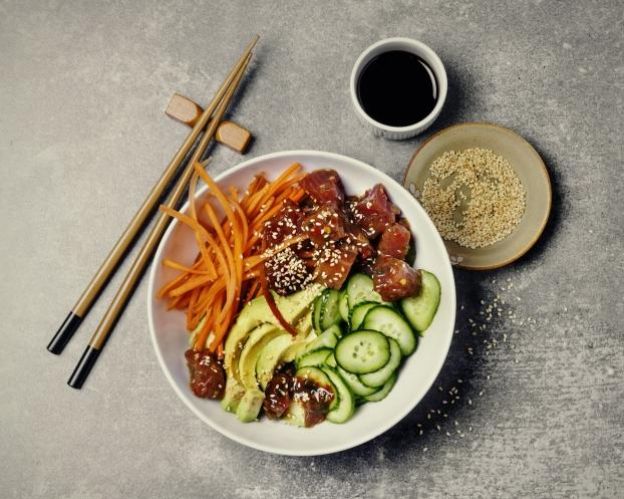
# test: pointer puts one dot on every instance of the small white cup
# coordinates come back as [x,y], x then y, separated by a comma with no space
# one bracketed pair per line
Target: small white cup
[427,55]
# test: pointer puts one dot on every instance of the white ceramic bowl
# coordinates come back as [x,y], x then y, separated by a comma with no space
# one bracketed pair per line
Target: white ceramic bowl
[416,376]
[426,54]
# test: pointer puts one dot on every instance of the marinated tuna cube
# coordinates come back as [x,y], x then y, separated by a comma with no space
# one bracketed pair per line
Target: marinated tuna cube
[395,241]
[358,239]
[325,225]
[334,264]
[373,212]
[286,224]
[394,279]
[277,395]
[207,374]
[324,186]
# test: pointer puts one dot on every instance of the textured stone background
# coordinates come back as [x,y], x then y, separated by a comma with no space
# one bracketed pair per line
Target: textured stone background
[83,137]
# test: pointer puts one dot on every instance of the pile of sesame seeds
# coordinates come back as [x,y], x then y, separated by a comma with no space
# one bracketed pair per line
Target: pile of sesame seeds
[474,197]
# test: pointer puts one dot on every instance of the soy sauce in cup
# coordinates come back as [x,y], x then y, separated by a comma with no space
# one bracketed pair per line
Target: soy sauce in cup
[397,88]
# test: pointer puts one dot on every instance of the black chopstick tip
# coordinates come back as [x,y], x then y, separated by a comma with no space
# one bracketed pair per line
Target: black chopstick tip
[83,368]
[64,334]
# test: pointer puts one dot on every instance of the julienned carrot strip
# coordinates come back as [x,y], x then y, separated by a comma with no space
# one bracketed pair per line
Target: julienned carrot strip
[251,190]
[276,187]
[229,213]
[283,176]
[190,317]
[255,202]
[231,286]
[201,232]
[216,329]
[178,266]
[263,217]
[191,284]
[297,195]
[243,220]
[253,241]
[214,188]
[193,213]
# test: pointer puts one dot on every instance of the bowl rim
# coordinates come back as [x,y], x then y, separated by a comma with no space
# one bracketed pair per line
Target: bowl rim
[365,436]
[416,47]
[543,170]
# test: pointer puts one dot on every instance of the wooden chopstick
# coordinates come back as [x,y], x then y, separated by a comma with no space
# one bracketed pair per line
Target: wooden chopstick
[108,267]
[102,333]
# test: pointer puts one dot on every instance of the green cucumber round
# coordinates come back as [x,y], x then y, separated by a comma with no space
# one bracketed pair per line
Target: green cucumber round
[362,351]
[388,321]
[379,378]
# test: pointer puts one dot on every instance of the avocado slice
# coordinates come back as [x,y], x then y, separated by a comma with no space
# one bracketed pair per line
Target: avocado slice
[270,357]
[234,392]
[251,351]
[250,405]
[291,353]
[257,312]
[233,369]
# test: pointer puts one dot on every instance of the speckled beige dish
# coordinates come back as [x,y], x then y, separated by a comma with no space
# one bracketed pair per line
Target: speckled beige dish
[527,164]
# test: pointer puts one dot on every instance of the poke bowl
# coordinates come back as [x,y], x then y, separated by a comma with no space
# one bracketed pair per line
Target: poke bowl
[419,366]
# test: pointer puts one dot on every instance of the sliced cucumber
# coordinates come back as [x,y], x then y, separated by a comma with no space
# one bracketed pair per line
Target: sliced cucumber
[343,305]
[421,309]
[335,329]
[362,352]
[354,383]
[321,378]
[346,401]
[388,321]
[315,374]
[330,311]
[384,391]
[359,312]
[378,378]
[359,289]
[326,340]
[331,361]
[315,358]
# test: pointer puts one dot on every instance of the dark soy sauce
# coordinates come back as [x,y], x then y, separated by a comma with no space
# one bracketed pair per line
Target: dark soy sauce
[397,88]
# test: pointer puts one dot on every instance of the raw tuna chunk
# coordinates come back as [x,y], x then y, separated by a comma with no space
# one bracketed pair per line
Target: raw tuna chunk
[325,187]
[334,264]
[373,212]
[394,279]
[395,241]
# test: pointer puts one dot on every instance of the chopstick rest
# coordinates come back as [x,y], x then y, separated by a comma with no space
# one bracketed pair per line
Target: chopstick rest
[230,134]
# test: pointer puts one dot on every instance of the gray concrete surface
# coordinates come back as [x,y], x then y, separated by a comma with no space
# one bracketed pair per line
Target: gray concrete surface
[83,137]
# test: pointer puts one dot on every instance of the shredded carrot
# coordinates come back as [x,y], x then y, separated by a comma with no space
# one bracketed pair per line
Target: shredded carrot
[178,266]
[227,270]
